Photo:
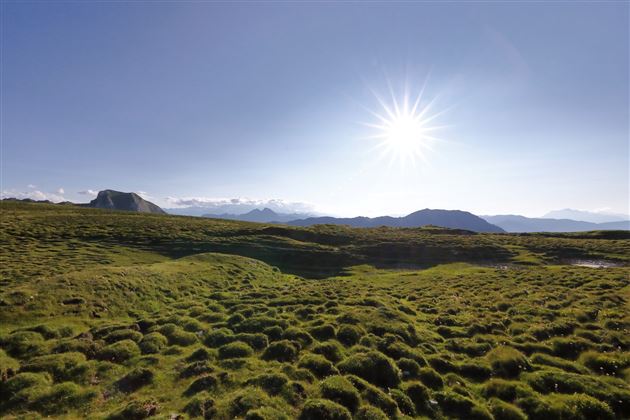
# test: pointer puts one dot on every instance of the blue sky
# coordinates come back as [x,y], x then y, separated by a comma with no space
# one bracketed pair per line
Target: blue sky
[259,101]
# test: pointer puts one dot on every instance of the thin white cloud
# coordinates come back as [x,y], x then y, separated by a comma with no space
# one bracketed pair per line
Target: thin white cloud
[607,211]
[144,195]
[34,195]
[88,192]
[60,191]
[601,210]
[239,205]
[31,186]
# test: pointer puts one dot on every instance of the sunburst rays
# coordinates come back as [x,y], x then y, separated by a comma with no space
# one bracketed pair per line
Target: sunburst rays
[405,127]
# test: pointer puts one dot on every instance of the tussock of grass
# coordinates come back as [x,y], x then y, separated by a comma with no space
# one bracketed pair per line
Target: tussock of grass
[316,409]
[367,412]
[235,349]
[504,411]
[282,351]
[317,365]
[507,361]
[8,366]
[62,366]
[119,352]
[341,391]
[152,343]
[374,367]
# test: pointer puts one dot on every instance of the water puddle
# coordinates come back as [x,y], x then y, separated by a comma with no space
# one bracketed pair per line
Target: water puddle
[594,263]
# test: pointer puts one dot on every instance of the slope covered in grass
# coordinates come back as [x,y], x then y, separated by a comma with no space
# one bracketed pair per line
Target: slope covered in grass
[119,315]
[57,239]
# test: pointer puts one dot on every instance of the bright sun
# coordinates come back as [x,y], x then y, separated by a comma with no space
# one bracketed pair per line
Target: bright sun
[404,133]
[404,129]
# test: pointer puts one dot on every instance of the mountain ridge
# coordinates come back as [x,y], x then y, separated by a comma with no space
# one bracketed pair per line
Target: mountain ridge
[266,215]
[585,216]
[521,224]
[454,219]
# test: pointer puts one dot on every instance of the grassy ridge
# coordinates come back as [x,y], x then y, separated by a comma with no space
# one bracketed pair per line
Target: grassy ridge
[55,239]
[122,315]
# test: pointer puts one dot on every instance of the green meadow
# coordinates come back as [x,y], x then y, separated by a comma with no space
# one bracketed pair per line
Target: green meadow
[119,315]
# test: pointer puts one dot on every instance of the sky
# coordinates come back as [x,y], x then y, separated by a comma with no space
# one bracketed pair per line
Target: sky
[277,102]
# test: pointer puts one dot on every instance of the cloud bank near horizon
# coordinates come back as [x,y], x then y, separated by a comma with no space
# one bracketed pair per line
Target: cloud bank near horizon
[199,205]
[35,194]
[91,193]
[239,205]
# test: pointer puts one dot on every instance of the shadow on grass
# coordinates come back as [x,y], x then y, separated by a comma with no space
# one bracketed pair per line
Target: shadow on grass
[312,261]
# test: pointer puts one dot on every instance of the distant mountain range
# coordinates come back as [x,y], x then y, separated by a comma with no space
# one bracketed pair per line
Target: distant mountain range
[116,200]
[514,223]
[265,215]
[455,219]
[237,207]
[586,216]
[444,218]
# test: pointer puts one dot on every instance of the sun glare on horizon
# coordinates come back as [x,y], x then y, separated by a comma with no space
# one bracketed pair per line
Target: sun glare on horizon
[404,128]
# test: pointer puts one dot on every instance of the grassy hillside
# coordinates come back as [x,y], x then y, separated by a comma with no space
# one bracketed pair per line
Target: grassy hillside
[124,315]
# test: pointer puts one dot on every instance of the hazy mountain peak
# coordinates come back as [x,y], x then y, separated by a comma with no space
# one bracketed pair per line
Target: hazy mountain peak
[266,215]
[586,216]
[264,212]
[516,223]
